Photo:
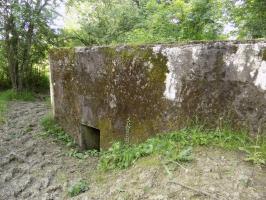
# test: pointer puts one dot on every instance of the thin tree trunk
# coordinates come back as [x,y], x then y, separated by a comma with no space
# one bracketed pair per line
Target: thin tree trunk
[25,66]
[12,52]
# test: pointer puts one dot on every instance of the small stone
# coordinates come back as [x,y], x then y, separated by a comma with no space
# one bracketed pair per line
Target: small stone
[212,189]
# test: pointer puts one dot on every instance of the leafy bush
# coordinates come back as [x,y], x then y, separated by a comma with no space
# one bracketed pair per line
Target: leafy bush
[148,21]
[78,188]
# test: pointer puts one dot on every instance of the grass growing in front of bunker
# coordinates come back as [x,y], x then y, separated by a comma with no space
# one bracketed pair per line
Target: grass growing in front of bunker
[51,128]
[11,95]
[55,131]
[177,147]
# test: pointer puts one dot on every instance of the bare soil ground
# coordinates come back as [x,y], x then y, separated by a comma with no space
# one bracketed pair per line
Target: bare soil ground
[32,167]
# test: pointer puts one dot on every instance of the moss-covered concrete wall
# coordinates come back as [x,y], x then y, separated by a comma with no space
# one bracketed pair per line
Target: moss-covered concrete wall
[133,92]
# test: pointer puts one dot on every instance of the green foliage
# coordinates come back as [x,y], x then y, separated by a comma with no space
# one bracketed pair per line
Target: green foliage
[4,81]
[256,153]
[198,135]
[108,20]
[121,156]
[51,128]
[177,147]
[249,17]
[183,156]
[153,21]
[78,188]
[148,21]
[10,95]
[83,155]
[25,37]
[39,80]
[173,147]
[47,100]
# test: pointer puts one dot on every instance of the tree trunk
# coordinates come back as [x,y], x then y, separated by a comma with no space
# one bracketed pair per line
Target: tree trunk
[25,68]
[12,52]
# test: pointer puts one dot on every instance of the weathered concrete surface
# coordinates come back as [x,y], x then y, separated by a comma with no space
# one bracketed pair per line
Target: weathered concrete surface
[133,92]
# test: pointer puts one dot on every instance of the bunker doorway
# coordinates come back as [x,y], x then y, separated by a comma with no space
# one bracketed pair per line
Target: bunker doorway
[90,138]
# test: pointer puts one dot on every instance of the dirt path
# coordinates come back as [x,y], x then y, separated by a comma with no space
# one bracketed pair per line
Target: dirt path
[32,167]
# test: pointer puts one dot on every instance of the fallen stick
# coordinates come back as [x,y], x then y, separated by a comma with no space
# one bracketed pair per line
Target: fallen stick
[193,189]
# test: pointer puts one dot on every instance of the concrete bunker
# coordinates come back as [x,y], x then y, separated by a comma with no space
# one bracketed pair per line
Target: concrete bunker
[160,88]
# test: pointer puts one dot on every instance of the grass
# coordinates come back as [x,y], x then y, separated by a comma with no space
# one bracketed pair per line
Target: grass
[51,128]
[255,153]
[48,101]
[78,188]
[177,147]
[11,95]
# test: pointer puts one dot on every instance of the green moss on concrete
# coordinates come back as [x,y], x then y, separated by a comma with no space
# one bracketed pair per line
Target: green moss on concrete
[158,73]
[106,130]
[61,53]
[126,67]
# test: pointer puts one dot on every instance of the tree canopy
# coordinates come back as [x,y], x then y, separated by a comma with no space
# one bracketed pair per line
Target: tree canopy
[249,16]
[26,32]
[148,21]
[26,36]
[151,21]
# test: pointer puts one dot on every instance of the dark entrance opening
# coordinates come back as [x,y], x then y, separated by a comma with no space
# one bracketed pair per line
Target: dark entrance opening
[90,138]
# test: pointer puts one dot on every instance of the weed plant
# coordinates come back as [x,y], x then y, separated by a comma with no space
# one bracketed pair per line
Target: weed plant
[78,188]
[51,128]
[177,147]
[83,155]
